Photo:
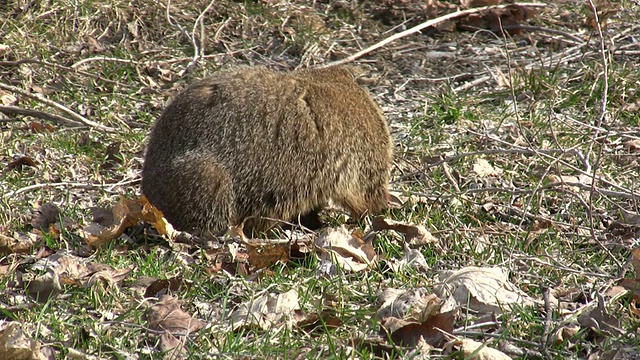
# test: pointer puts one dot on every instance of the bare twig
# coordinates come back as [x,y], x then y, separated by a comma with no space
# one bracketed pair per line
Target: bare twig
[546,334]
[79,185]
[12,110]
[419,27]
[544,29]
[601,119]
[67,68]
[546,154]
[46,101]
[103,59]
[198,51]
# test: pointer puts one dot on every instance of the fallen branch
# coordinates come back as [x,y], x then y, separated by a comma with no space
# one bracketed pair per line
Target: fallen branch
[12,110]
[71,113]
[62,67]
[77,185]
[421,26]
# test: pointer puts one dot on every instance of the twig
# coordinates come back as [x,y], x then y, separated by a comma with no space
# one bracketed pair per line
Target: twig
[102,58]
[65,184]
[46,101]
[544,29]
[198,51]
[67,68]
[545,154]
[546,333]
[419,27]
[12,110]
[601,119]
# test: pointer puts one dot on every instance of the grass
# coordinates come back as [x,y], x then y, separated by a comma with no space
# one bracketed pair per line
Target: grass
[569,240]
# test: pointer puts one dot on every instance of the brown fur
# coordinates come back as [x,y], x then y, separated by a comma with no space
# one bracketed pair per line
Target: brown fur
[252,143]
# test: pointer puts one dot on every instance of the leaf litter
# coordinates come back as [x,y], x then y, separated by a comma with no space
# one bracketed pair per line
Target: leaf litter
[415,313]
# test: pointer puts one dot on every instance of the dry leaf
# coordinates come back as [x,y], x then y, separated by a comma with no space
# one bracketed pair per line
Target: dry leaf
[413,304]
[415,235]
[486,290]
[632,145]
[633,285]
[173,347]
[19,243]
[15,345]
[412,333]
[39,128]
[46,215]
[564,333]
[166,315]
[267,311]
[474,350]
[157,288]
[153,216]
[20,162]
[484,169]
[45,286]
[126,213]
[412,257]
[263,255]
[77,271]
[599,320]
[630,217]
[325,319]
[495,19]
[339,248]
[6,98]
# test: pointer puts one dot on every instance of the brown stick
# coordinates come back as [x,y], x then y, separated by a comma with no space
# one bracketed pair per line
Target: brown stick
[74,115]
[419,27]
[12,110]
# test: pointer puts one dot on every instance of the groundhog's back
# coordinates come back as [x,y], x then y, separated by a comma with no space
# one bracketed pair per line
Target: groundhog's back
[269,144]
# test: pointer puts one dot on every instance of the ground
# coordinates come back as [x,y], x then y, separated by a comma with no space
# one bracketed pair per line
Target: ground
[514,223]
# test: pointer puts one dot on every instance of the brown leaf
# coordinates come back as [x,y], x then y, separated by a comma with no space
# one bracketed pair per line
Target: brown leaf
[411,333]
[153,216]
[564,333]
[324,319]
[497,19]
[161,287]
[166,315]
[173,347]
[45,286]
[15,345]
[339,248]
[599,319]
[484,169]
[633,145]
[18,163]
[19,243]
[46,215]
[102,216]
[265,255]
[635,260]
[126,213]
[39,128]
[415,235]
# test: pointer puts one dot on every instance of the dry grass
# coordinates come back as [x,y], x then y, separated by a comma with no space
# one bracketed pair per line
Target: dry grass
[554,115]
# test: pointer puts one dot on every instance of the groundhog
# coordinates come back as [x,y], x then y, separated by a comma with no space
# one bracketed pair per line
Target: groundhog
[252,145]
